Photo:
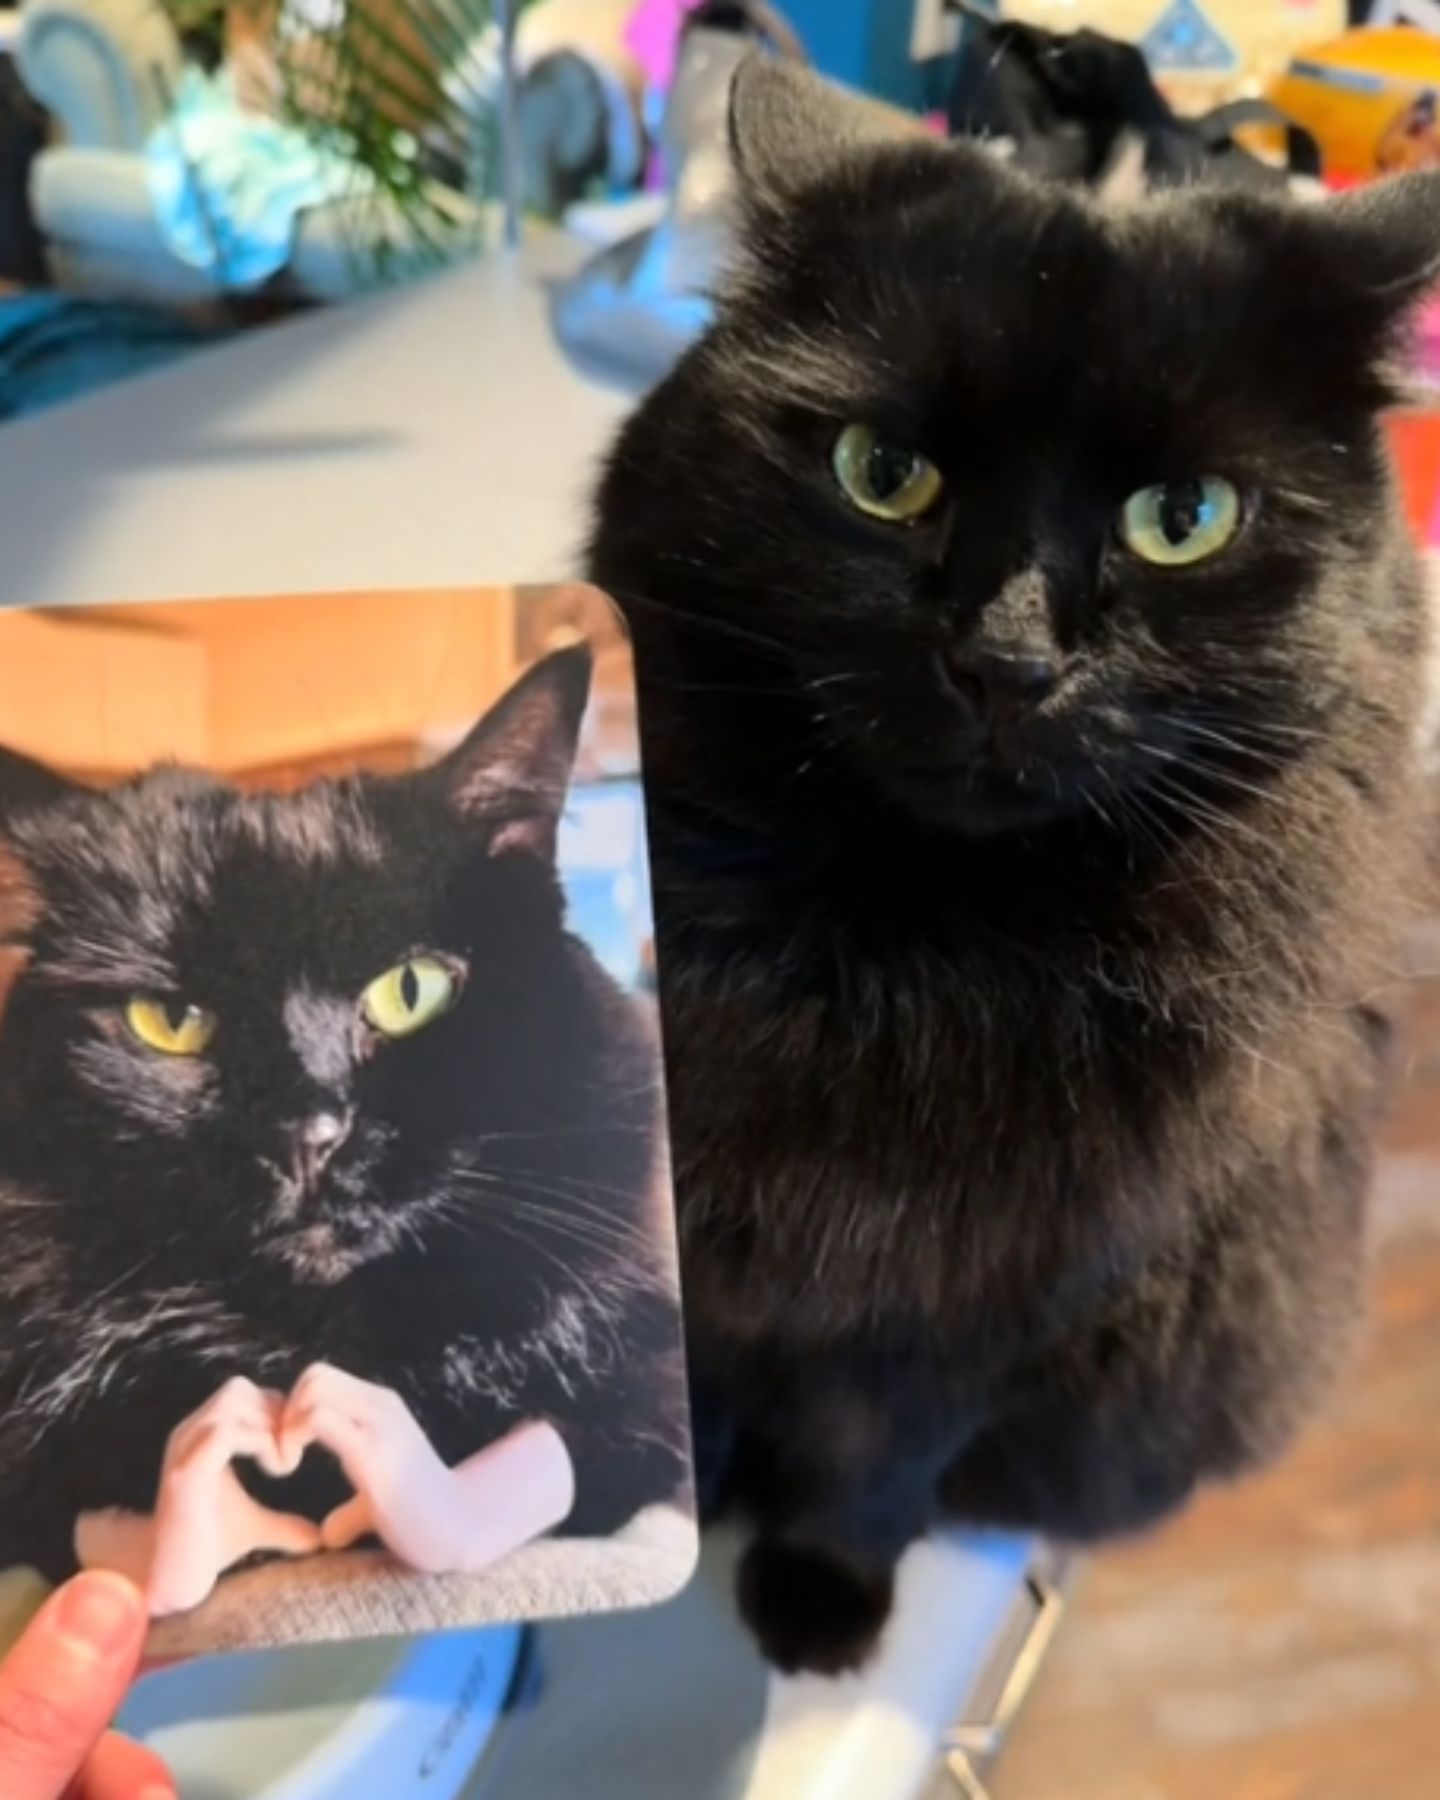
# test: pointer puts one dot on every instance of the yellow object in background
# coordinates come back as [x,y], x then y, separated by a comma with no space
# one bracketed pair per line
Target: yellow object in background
[1369,98]
[1203,52]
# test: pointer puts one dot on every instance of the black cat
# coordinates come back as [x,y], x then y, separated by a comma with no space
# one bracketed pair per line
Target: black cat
[320,1076]
[1031,658]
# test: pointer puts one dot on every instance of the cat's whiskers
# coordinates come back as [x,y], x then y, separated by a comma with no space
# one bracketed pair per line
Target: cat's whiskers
[1211,821]
[1179,764]
[1163,832]
[567,1212]
[584,1185]
[1137,816]
[593,1217]
[727,628]
[589,1197]
[562,1225]
[1115,823]
[1208,771]
[124,1279]
[580,1282]
[1092,801]
[735,690]
[597,1133]
[1300,500]
[470,1227]
[1269,733]
[1219,827]
[1272,756]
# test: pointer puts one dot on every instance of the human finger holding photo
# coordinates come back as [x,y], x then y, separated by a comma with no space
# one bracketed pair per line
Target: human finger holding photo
[59,1688]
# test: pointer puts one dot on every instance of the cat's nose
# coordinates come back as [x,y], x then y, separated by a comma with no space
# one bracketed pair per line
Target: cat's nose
[316,1141]
[999,683]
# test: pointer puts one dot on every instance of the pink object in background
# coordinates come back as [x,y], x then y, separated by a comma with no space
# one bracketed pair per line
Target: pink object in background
[1427,347]
[653,38]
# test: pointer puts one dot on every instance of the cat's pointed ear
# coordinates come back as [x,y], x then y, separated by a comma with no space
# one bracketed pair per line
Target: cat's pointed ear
[512,773]
[1382,260]
[1393,230]
[26,785]
[790,128]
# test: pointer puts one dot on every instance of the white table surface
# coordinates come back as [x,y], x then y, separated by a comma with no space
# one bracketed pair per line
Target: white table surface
[434,436]
[874,1736]
[429,437]
[676,1705]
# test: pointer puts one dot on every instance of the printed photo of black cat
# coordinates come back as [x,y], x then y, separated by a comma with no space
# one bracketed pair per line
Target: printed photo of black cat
[338,1290]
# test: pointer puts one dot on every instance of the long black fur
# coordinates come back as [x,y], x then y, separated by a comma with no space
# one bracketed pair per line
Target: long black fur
[483,1241]
[1022,1090]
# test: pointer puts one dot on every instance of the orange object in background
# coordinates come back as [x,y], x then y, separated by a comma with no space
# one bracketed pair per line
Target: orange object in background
[1371,100]
[1415,441]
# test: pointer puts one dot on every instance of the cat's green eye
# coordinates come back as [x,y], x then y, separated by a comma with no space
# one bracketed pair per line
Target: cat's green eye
[885,480]
[1181,522]
[171,1027]
[409,997]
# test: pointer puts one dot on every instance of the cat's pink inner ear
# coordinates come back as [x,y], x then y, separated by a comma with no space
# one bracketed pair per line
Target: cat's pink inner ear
[534,837]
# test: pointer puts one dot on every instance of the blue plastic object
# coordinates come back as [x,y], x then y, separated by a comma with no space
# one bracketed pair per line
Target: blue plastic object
[54,348]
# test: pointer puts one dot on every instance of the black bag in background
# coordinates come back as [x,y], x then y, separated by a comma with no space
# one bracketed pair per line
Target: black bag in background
[22,137]
[1070,103]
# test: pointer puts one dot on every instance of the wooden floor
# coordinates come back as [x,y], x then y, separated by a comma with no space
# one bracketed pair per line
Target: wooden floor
[1282,1642]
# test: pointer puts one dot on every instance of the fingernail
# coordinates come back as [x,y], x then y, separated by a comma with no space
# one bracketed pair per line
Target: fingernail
[158,1793]
[102,1612]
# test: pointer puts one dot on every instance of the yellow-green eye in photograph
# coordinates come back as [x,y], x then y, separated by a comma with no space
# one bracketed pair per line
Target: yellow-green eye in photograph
[171,1027]
[885,480]
[409,997]
[1177,523]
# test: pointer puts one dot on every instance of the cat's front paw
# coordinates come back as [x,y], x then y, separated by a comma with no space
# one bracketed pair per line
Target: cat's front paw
[811,1611]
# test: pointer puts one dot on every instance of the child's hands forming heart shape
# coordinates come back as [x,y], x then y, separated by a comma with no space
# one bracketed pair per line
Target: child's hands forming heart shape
[404,1494]
[438,1520]
[435,1519]
[205,1522]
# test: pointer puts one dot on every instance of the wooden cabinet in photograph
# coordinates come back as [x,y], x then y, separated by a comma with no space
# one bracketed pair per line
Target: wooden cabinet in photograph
[253,688]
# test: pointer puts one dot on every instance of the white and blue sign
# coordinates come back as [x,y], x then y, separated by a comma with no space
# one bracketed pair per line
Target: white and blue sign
[1185,38]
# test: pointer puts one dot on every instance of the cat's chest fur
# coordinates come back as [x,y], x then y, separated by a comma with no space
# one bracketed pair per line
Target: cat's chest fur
[961,1135]
[186,1337]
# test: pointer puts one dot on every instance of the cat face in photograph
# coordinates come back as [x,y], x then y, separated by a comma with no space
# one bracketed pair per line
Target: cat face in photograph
[306,1033]
[993,510]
